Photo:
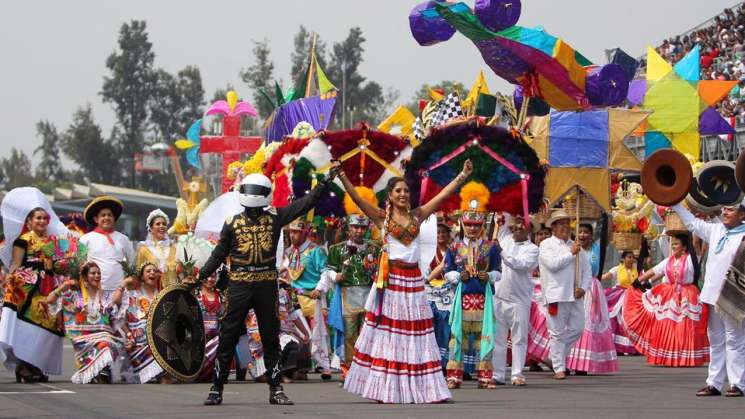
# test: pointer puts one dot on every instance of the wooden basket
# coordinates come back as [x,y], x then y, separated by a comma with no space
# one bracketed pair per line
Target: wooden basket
[588,208]
[673,223]
[627,241]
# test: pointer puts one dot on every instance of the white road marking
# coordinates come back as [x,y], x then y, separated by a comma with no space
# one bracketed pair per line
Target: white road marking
[52,390]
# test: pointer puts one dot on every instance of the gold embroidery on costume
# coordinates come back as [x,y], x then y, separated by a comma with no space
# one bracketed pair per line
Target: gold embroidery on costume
[243,276]
[255,241]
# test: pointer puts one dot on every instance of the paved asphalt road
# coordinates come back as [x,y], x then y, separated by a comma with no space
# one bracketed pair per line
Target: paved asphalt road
[637,392]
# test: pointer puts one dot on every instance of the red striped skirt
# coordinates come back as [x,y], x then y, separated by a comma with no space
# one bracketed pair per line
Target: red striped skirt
[396,356]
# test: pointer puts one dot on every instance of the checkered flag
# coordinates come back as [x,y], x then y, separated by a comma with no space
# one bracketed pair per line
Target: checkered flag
[449,108]
[429,112]
[418,129]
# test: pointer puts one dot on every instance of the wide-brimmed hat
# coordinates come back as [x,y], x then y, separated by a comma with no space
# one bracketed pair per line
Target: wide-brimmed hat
[717,181]
[556,215]
[115,205]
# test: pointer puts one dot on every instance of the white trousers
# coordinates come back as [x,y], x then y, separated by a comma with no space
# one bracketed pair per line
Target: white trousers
[564,329]
[513,318]
[726,350]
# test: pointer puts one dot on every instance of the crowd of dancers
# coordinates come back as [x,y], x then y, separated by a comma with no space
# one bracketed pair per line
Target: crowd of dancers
[398,328]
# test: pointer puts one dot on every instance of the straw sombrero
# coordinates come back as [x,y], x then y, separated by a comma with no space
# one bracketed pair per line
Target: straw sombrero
[115,205]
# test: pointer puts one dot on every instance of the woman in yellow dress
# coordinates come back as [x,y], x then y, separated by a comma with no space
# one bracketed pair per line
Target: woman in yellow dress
[158,248]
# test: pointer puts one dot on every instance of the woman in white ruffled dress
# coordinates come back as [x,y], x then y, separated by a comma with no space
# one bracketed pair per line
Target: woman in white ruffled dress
[396,357]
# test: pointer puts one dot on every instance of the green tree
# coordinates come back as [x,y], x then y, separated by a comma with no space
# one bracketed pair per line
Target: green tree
[221,93]
[15,171]
[130,88]
[49,167]
[359,99]
[166,107]
[177,102]
[192,91]
[259,76]
[83,143]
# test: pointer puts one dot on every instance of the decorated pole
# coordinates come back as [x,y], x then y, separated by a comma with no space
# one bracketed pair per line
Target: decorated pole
[311,66]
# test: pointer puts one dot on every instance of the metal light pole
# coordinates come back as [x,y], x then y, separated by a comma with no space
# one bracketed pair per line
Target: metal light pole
[343,92]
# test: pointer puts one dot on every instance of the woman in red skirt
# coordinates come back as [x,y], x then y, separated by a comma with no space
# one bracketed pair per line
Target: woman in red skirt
[668,323]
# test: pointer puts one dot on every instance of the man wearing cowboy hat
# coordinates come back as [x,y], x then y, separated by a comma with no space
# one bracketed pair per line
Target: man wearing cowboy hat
[303,263]
[726,334]
[473,266]
[106,246]
[513,296]
[563,289]
[351,268]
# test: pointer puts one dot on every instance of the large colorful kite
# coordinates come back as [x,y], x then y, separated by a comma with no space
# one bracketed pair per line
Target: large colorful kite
[543,65]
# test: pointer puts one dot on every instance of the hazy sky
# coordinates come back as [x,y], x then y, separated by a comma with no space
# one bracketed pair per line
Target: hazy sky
[54,52]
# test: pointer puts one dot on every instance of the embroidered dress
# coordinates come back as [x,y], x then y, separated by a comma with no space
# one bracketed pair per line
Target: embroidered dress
[211,311]
[249,351]
[162,254]
[440,294]
[28,332]
[290,337]
[396,357]
[135,305]
[538,339]
[305,265]
[595,351]
[668,322]
[88,325]
[616,298]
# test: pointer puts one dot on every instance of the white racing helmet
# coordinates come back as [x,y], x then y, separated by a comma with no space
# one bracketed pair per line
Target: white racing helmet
[255,191]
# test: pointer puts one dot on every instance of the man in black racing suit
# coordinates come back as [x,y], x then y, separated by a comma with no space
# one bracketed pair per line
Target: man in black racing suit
[250,239]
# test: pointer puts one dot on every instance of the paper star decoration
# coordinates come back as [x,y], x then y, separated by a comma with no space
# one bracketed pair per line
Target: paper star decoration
[683,104]
[581,148]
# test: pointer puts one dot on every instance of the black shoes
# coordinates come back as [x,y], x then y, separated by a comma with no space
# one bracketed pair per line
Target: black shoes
[278,396]
[214,397]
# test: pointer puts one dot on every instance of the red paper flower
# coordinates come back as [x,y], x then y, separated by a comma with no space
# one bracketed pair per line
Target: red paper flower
[642,225]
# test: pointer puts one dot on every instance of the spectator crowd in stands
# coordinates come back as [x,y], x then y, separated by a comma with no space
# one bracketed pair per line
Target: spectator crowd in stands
[722,45]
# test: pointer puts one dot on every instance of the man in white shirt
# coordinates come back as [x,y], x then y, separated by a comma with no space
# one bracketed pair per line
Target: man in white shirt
[726,335]
[106,246]
[563,289]
[513,297]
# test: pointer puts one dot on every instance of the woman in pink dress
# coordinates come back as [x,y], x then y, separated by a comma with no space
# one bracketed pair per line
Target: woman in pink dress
[396,357]
[595,351]
[668,322]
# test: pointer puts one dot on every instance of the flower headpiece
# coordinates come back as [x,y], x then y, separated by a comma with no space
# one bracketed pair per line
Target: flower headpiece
[157,213]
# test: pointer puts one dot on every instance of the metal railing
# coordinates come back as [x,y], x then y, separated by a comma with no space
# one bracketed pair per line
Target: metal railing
[713,147]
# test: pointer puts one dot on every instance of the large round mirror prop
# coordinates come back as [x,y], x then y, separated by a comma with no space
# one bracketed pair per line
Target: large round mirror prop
[666,177]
